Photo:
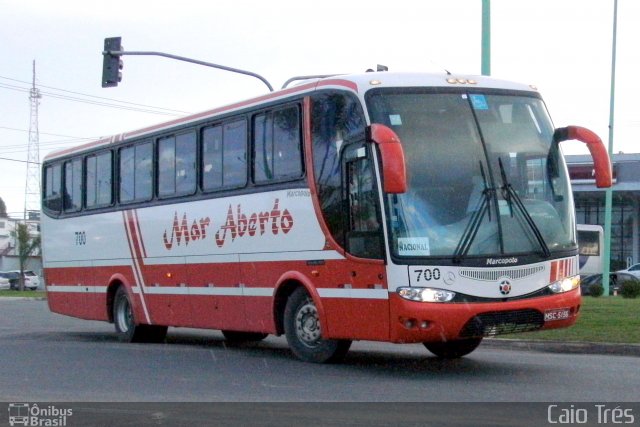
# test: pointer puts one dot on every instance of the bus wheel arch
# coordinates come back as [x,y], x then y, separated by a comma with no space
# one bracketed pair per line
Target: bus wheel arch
[112,289]
[122,313]
[285,287]
[303,329]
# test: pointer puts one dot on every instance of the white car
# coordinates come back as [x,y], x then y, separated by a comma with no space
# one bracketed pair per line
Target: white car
[4,283]
[31,279]
[634,269]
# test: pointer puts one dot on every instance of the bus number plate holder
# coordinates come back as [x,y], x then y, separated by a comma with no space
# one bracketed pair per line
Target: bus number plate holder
[556,314]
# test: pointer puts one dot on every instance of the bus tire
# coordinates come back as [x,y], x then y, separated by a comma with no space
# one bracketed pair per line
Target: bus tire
[125,323]
[453,349]
[303,331]
[240,337]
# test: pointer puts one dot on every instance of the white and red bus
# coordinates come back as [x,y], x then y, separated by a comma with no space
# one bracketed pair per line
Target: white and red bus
[407,208]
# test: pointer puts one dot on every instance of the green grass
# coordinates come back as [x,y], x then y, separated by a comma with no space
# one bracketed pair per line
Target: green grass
[23,294]
[606,320]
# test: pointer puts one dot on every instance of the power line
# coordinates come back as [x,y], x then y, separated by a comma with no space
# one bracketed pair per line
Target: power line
[87,101]
[20,161]
[45,133]
[99,97]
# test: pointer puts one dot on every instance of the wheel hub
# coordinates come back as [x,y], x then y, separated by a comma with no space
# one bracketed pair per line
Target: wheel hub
[124,316]
[308,324]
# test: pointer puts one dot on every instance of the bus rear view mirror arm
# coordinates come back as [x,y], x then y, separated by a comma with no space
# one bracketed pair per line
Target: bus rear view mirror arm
[394,171]
[601,161]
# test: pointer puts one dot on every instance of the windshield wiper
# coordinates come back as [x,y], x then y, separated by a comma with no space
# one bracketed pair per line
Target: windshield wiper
[512,199]
[471,230]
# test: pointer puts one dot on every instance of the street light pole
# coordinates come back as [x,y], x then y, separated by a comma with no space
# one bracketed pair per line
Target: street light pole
[486,37]
[608,204]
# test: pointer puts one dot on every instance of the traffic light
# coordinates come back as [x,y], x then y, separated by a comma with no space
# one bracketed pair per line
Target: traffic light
[111,64]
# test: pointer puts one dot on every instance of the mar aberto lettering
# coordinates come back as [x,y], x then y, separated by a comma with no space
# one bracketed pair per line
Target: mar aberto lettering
[237,224]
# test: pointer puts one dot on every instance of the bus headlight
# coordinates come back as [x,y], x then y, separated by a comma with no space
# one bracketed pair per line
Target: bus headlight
[565,285]
[426,294]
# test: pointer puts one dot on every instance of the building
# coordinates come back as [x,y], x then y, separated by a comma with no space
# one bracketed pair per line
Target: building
[9,260]
[590,203]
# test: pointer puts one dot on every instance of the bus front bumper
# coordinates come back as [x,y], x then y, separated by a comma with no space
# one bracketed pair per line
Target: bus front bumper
[413,322]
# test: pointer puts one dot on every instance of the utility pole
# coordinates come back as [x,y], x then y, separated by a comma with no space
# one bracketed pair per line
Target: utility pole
[486,37]
[32,185]
[608,200]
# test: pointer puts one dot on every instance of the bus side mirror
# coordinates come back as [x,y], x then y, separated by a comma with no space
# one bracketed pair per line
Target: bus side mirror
[599,154]
[394,172]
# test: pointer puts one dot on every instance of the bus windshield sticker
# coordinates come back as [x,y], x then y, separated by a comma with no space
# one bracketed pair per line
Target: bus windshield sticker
[413,246]
[395,119]
[479,102]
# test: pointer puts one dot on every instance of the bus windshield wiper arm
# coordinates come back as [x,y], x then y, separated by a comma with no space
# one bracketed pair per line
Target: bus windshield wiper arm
[513,199]
[471,230]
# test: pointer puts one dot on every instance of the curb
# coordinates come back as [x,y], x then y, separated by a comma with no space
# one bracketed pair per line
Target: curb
[607,349]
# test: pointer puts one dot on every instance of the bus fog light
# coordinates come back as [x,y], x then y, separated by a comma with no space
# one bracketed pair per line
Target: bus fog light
[426,294]
[565,285]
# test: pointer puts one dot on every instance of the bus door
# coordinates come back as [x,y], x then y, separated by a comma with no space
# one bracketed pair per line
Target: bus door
[365,307]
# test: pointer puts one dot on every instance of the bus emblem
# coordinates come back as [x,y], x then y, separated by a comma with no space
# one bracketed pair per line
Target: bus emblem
[505,287]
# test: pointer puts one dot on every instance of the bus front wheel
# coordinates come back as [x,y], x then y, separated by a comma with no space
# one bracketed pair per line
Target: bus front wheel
[453,349]
[303,331]
[126,327]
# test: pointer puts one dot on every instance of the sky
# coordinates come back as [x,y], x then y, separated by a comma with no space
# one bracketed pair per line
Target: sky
[561,46]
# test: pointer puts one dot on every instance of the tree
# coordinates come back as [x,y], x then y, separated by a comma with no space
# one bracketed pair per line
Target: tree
[26,245]
[3,209]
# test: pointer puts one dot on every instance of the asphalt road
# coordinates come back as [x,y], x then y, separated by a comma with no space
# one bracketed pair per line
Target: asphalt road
[48,357]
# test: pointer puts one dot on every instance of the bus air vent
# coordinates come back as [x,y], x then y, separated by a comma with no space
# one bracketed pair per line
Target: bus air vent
[502,322]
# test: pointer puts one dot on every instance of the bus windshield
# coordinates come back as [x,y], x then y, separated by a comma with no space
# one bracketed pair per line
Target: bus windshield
[484,175]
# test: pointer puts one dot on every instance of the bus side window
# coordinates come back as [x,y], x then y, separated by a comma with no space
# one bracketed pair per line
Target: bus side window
[277,145]
[98,180]
[212,158]
[224,156]
[53,187]
[136,173]
[335,118]
[364,238]
[234,156]
[177,165]
[72,200]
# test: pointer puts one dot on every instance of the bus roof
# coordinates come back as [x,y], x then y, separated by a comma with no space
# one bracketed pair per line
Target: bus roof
[358,83]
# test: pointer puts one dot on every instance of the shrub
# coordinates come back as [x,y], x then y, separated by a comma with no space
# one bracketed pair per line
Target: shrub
[596,290]
[630,289]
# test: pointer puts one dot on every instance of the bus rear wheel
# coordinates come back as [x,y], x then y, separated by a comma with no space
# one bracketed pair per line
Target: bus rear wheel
[125,323]
[304,334]
[453,349]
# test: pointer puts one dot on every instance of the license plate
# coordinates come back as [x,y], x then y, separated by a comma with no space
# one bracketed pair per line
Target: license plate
[556,314]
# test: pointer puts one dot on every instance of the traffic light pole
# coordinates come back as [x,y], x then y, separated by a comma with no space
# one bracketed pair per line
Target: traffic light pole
[118,53]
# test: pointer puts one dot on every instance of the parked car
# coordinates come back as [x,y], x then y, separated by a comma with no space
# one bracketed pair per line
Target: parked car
[31,280]
[634,269]
[615,282]
[4,283]
[13,278]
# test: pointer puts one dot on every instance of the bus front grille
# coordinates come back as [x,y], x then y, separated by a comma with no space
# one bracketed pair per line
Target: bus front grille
[502,322]
[490,275]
